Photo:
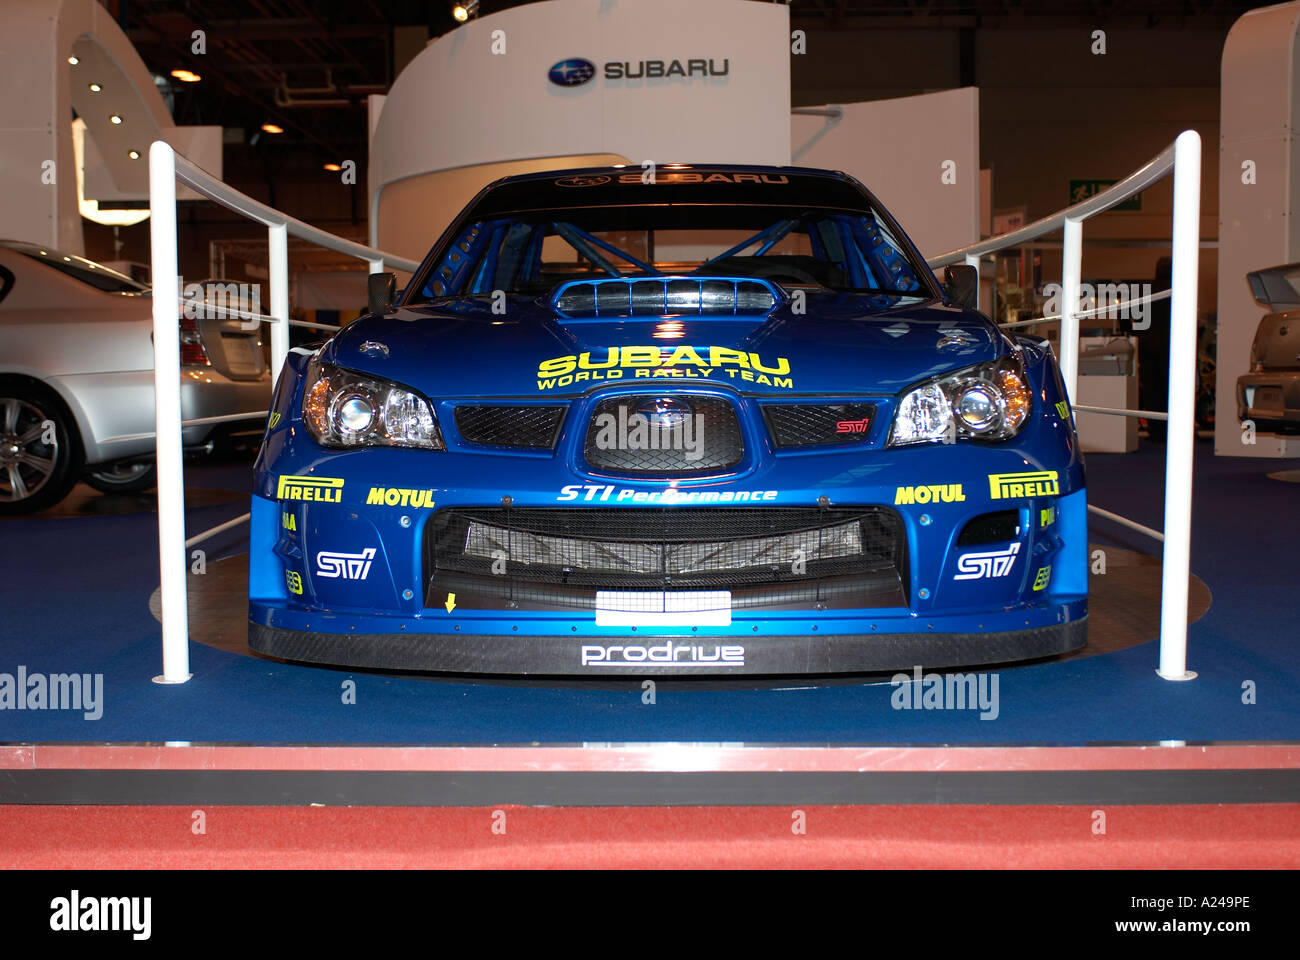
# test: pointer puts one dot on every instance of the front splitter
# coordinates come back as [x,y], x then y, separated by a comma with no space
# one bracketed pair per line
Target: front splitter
[665,656]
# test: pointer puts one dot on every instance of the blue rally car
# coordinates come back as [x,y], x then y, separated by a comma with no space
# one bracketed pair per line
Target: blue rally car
[718,420]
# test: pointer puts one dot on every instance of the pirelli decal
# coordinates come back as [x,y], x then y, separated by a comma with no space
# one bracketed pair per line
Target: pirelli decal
[1013,486]
[323,489]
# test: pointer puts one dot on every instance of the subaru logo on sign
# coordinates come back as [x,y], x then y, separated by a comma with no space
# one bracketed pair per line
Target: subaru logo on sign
[665,413]
[572,72]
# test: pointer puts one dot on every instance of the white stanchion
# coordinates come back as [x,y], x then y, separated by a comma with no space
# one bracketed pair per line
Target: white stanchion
[1071,270]
[1182,408]
[167,414]
[277,236]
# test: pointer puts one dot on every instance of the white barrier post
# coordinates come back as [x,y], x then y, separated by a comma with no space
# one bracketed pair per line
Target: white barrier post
[1071,270]
[1179,445]
[167,414]
[277,236]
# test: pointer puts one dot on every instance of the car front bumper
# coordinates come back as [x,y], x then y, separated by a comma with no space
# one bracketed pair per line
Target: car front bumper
[561,654]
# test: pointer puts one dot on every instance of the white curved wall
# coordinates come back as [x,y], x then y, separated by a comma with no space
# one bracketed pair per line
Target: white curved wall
[1258,223]
[41,89]
[460,105]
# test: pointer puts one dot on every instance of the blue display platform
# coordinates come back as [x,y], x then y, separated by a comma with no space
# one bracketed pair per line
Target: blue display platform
[77,590]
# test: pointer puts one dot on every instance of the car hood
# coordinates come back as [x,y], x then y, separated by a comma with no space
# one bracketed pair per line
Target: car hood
[839,343]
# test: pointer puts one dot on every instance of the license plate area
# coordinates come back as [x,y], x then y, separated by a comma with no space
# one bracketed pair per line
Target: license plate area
[660,608]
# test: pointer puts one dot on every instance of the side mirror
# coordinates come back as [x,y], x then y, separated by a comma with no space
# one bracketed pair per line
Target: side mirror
[961,286]
[381,291]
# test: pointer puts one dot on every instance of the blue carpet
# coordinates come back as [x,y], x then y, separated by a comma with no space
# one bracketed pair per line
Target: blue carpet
[76,593]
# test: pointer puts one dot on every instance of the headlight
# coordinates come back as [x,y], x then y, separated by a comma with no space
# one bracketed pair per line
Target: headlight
[991,401]
[346,409]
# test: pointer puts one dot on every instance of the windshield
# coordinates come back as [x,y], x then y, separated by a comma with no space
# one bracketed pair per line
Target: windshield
[87,271]
[530,252]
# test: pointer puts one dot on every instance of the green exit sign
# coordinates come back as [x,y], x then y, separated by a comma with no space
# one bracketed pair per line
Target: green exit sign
[1081,190]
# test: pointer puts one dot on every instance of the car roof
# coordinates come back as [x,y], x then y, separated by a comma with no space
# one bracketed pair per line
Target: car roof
[39,251]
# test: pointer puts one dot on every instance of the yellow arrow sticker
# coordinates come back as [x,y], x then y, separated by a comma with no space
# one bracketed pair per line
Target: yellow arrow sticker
[451,602]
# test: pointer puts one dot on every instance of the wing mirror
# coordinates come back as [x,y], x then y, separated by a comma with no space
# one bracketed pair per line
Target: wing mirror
[381,291]
[961,286]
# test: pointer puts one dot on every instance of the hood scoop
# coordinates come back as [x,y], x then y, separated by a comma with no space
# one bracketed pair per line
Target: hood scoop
[665,296]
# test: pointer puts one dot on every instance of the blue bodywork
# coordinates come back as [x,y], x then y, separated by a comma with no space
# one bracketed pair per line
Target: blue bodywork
[834,346]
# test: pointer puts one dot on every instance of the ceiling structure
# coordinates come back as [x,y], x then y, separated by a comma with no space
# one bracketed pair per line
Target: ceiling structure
[307,66]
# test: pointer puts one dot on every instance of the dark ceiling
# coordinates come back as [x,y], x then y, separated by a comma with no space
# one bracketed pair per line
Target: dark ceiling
[308,65]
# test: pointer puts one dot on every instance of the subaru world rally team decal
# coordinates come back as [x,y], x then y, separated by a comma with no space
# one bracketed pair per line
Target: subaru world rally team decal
[654,361]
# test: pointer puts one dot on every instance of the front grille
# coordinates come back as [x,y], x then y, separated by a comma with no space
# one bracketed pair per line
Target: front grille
[527,425]
[812,424]
[671,435]
[559,556]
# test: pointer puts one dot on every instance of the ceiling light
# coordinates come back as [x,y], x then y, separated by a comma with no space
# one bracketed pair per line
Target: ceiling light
[464,11]
[333,167]
[272,128]
[73,60]
[115,119]
[95,88]
[186,76]
[133,154]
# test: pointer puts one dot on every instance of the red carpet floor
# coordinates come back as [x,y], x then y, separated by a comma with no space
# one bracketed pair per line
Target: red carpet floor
[1238,836]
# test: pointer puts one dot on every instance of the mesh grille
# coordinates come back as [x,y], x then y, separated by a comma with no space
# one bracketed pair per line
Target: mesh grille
[810,424]
[571,552]
[672,435]
[504,426]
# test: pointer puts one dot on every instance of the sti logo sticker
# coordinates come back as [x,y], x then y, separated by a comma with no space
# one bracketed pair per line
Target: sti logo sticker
[988,564]
[324,489]
[1035,483]
[853,426]
[344,566]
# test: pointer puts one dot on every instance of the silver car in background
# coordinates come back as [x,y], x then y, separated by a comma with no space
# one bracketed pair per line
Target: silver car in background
[76,377]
